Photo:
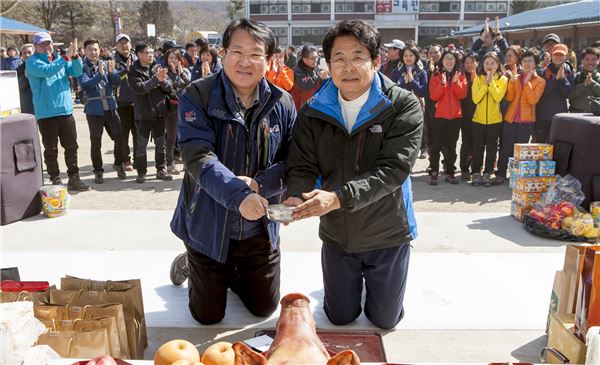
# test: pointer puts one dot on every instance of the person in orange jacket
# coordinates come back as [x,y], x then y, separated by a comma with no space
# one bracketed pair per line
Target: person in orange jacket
[447,88]
[279,74]
[524,92]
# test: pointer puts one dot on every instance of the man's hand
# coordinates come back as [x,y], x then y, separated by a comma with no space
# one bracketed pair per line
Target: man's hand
[128,63]
[487,29]
[101,67]
[497,28]
[252,184]
[253,207]
[111,66]
[561,72]
[323,74]
[161,75]
[588,80]
[547,59]
[291,202]
[318,203]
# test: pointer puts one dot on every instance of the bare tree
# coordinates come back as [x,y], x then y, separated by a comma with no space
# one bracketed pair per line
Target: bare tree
[234,9]
[48,12]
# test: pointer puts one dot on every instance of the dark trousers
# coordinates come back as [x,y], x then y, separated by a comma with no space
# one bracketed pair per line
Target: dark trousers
[428,117]
[542,131]
[444,136]
[466,146]
[128,126]
[111,122]
[251,271]
[171,126]
[384,274]
[63,128]
[144,128]
[485,140]
[512,133]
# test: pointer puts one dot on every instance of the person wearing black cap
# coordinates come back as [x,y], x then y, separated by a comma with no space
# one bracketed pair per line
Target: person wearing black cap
[549,41]
[124,58]
[165,47]
[150,85]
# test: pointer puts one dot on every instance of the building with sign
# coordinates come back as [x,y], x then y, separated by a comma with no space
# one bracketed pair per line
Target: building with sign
[298,22]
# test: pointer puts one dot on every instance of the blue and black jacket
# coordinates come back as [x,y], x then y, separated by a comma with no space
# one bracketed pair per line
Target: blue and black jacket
[217,145]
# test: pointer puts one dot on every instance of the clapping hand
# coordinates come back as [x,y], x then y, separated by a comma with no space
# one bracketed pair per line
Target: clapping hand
[497,26]
[101,67]
[529,75]
[561,72]
[489,77]
[588,80]
[443,78]
[161,74]
[111,66]
[455,79]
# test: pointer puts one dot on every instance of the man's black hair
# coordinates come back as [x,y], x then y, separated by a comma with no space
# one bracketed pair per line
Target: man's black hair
[366,34]
[307,50]
[258,31]
[189,45]
[141,47]
[591,50]
[90,41]
[200,42]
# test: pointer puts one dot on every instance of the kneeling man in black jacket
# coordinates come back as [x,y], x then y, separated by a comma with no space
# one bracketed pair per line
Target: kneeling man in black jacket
[360,134]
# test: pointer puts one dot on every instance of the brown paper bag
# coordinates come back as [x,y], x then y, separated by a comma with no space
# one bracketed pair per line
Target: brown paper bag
[49,312]
[110,310]
[132,286]
[573,266]
[73,344]
[83,298]
[587,314]
[41,297]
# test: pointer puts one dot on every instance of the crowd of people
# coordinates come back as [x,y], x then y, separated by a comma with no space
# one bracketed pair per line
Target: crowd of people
[491,95]
[332,132]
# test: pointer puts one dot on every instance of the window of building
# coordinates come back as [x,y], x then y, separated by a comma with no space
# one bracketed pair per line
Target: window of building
[429,35]
[268,7]
[428,6]
[281,34]
[308,35]
[358,6]
[482,6]
[311,6]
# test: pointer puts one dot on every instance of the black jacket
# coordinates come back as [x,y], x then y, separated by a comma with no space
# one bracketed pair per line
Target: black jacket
[365,168]
[149,94]
[124,94]
[24,90]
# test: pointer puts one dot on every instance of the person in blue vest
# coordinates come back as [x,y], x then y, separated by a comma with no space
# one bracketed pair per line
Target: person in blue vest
[48,75]
[98,80]
[235,130]
[361,132]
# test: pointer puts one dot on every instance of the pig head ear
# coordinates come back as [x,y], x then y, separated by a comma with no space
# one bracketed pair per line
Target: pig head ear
[347,357]
[244,355]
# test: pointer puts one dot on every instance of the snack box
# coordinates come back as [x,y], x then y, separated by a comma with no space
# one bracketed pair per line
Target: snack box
[532,184]
[526,199]
[533,152]
[512,180]
[523,168]
[549,181]
[518,211]
[546,168]
[595,210]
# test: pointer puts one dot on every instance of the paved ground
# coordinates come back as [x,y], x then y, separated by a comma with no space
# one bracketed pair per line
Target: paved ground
[471,232]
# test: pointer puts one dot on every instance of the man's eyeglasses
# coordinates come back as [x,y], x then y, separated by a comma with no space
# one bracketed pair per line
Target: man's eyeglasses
[356,61]
[253,57]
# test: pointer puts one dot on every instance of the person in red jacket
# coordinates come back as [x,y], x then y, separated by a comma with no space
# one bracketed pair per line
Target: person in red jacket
[447,88]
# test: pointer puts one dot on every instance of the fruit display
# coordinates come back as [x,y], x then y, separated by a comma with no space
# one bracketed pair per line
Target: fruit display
[566,216]
[176,350]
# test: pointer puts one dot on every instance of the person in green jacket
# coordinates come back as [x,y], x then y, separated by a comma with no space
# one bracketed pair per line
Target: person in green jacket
[587,81]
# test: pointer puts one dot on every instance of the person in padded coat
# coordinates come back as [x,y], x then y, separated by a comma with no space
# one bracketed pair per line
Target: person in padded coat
[361,134]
